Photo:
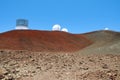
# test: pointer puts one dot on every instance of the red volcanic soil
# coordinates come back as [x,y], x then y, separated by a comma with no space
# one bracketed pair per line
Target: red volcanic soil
[35,40]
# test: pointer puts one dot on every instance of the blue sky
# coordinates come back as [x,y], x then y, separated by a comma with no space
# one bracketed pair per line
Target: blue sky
[78,16]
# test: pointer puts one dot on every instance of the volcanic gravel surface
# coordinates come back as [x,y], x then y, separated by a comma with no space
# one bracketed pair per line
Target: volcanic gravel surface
[26,65]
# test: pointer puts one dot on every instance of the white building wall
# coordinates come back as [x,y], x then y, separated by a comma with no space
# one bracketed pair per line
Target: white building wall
[21,27]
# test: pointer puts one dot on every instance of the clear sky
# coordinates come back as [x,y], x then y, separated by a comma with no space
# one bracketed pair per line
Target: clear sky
[78,16]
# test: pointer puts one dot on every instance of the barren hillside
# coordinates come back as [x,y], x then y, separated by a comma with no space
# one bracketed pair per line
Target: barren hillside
[34,40]
[104,42]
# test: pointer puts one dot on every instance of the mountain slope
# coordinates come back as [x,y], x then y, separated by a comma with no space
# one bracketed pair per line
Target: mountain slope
[35,40]
[104,42]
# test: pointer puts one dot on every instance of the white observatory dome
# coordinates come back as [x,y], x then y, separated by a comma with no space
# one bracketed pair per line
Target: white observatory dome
[56,27]
[64,29]
[106,28]
[21,24]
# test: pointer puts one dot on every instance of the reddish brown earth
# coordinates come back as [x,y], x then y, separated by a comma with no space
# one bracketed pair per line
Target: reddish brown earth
[34,40]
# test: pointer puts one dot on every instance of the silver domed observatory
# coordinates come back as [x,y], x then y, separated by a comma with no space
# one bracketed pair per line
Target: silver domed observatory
[21,24]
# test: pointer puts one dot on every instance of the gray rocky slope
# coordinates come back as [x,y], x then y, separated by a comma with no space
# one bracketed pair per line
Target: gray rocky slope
[104,42]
